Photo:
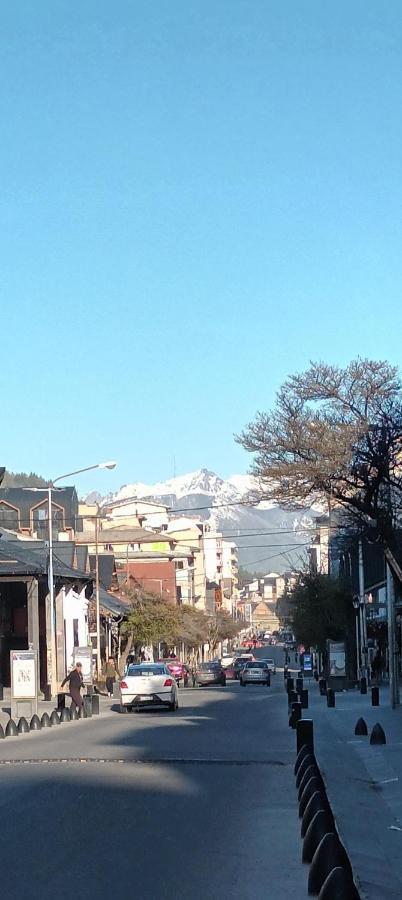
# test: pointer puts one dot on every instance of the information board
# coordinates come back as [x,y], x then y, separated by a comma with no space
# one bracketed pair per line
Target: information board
[307,662]
[23,674]
[84,656]
[337,659]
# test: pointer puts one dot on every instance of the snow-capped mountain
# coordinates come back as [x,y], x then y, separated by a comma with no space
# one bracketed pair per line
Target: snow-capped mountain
[267,536]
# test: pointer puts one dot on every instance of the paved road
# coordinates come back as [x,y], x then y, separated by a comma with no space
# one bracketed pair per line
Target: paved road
[194,804]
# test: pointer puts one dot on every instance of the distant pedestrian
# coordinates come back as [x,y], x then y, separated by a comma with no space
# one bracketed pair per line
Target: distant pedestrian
[112,674]
[75,683]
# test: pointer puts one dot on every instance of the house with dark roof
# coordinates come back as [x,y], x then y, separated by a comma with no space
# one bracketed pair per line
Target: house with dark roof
[25,613]
[25,510]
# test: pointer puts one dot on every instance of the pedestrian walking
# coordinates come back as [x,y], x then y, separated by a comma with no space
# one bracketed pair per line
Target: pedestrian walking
[75,683]
[112,674]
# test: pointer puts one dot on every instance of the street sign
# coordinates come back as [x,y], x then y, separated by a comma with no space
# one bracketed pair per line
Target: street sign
[307,662]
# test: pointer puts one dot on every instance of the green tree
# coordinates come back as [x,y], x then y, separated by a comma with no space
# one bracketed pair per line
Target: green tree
[23,479]
[221,627]
[320,609]
[150,620]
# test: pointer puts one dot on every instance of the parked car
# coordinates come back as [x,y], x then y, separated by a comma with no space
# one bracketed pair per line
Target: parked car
[256,672]
[176,668]
[240,662]
[210,673]
[148,684]
[270,663]
[227,660]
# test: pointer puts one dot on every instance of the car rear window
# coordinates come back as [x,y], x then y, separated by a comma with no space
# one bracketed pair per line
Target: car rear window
[146,670]
[256,665]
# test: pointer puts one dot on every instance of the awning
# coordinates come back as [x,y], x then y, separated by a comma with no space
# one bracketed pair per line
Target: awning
[112,603]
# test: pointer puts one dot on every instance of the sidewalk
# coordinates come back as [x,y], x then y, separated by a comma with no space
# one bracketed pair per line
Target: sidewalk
[364,785]
[43,706]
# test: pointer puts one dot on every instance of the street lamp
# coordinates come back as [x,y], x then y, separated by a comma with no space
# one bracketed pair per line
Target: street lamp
[356,605]
[103,465]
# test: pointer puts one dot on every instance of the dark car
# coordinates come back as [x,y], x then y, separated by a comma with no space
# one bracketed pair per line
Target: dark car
[239,664]
[210,673]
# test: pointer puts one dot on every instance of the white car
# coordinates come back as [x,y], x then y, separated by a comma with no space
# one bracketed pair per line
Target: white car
[227,660]
[255,673]
[271,665]
[148,684]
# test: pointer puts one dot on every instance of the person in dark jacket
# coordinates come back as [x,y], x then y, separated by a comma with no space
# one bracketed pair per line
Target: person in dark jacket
[75,682]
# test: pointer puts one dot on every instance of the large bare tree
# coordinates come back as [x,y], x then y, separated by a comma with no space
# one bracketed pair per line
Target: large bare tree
[335,433]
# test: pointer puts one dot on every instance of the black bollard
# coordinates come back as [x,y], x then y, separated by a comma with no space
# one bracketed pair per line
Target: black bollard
[363,685]
[361,727]
[311,772]
[65,715]
[322,684]
[34,724]
[23,727]
[95,705]
[315,784]
[305,734]
[45,721]
[61,700]
[303,752]
[375,696]
[315,674]
[321,824]
[11,729]
[2,735]
[378,735]
[54,718]
[290,684]
[292,698]
[304,698]
[330,697]
[307,761]
[329,854]
[299,685]
[87,699]
[339,886]
[318,801]
[73,713]
[296,714]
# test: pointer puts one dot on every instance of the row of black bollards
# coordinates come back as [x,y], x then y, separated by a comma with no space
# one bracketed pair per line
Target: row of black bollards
[57,717]
[377,735]
[297,699]
[330,874]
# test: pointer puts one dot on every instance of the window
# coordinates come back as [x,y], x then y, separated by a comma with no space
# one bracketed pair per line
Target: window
[75,633]
[40,520]
[8,516]
[180,564]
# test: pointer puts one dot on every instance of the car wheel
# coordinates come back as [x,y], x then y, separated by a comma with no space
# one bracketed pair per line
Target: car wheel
[122,709]
[173,706]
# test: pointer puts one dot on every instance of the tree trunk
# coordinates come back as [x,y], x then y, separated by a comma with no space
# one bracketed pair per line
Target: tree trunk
[126,651]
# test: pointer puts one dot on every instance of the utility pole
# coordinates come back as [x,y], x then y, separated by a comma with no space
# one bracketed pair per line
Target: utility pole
[392,648]
[362,612]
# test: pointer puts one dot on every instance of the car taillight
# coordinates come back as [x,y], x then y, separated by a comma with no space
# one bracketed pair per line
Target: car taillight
[123,685]
[168,682]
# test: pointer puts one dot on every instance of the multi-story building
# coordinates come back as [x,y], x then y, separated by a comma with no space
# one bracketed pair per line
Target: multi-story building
[230,576]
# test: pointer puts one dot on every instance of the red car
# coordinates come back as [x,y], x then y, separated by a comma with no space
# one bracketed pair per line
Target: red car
[176,668]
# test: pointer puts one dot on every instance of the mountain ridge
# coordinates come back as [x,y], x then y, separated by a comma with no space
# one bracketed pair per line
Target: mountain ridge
[282,533]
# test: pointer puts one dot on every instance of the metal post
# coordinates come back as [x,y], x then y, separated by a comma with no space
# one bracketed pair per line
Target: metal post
[98,648]
[392,650]
[362,612]
[357,646]
[52,676]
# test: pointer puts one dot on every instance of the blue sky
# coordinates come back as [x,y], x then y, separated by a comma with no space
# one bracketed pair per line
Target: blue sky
[197,199]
